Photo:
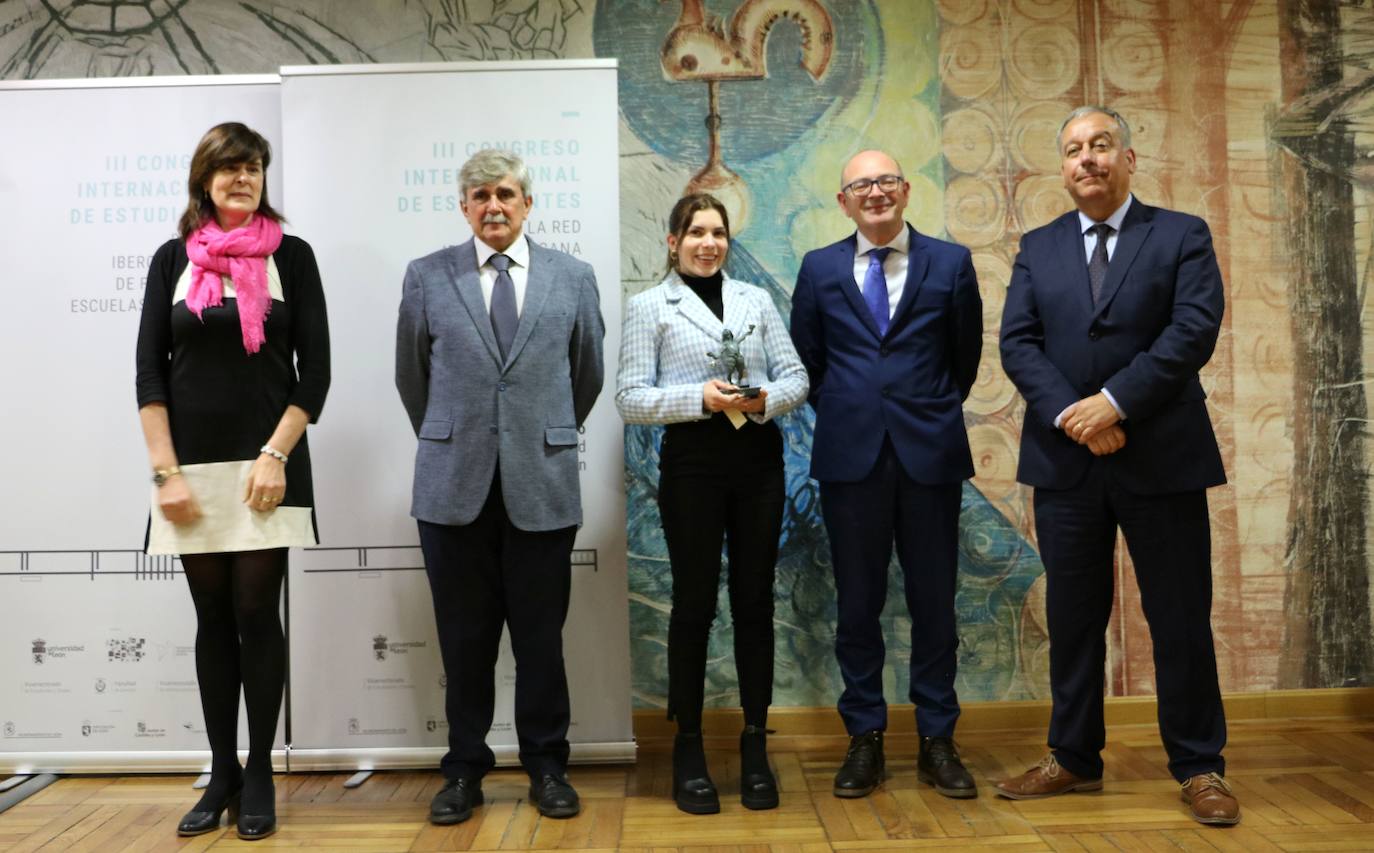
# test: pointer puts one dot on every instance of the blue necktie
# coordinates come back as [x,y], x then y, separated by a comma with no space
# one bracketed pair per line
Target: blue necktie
[875,288]
[504,317]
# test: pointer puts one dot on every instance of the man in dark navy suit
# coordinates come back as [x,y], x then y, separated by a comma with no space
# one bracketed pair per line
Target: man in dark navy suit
[889,325]
[1112,310]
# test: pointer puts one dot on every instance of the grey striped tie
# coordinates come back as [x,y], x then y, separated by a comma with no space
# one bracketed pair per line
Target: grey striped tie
[504,317]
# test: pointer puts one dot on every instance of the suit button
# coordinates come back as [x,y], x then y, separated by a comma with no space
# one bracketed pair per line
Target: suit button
[887,393]
[493,430]
[1093,335]
[501,387]
[882,351]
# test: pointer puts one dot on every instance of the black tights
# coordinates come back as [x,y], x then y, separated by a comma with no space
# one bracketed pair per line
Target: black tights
[718,485]
[239,642]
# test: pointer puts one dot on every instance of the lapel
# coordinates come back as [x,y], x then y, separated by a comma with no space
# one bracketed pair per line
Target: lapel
[917,262]
[462,263]
[690,307]
[1075,263]
[843,271]
[538,282]
[1135,228]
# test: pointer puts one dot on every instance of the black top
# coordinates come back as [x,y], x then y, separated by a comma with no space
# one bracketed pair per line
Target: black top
[708,289]
[223,403]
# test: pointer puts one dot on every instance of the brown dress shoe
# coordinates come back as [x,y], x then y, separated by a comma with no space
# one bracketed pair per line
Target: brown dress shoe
[1045,779]
[1210,800]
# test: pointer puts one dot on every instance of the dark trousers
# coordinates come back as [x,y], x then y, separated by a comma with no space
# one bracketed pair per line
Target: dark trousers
[718,484]
[1169,539]
[482,576]
[863,520]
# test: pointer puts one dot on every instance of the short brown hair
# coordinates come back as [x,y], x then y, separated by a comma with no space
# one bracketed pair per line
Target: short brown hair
[223,145]
[685,210]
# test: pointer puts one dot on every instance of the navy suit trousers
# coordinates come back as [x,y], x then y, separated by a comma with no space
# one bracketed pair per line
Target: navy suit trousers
[863,520]
[483,576]
[1169,540]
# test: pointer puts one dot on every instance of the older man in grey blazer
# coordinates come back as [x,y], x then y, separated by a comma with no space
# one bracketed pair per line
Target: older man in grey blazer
[498,362]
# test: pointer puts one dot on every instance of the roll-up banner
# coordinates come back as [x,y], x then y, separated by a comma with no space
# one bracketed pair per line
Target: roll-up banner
[373,183]
[97,640]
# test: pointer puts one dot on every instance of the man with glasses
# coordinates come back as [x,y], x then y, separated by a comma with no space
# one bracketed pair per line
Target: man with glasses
[889,325]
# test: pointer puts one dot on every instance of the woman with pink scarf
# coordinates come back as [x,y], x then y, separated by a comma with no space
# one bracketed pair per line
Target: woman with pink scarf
[233,362]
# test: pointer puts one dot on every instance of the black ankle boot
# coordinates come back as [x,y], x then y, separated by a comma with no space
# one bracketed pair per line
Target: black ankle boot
[758,789]
[218,798]
[258,819]
[693,790]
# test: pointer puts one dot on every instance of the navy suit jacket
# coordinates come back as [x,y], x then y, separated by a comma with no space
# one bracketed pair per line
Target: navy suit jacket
[908,384]
[1153,328]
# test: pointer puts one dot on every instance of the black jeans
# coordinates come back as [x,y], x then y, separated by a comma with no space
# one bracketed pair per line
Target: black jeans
[721,485]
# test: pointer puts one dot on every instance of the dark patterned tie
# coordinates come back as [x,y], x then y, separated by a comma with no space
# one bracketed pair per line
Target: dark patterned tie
[504,317]
[875,288]
[1097,264]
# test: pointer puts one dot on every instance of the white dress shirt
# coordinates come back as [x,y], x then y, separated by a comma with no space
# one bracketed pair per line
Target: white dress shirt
[519,254]
[1086,222]
[894,267]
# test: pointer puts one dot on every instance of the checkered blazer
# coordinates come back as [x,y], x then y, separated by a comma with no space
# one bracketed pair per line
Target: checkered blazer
[663,362]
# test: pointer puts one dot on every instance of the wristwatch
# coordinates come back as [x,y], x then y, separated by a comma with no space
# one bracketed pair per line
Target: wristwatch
[162,475]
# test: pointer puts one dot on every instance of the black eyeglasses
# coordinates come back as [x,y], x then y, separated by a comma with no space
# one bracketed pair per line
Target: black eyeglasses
[886,183]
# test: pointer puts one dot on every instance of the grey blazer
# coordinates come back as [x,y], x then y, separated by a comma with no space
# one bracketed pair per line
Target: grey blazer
[471,412]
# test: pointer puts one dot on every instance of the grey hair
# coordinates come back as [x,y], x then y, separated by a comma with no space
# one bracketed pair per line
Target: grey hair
[1094,109]
[491,165]
[900,173]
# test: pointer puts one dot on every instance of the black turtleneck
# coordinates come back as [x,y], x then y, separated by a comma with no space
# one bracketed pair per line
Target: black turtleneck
[708,289]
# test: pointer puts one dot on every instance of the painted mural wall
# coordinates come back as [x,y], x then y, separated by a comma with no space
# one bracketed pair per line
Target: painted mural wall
[1258,116]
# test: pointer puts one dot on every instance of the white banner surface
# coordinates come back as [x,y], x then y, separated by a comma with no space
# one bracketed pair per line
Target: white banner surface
[373,184]
[97,665]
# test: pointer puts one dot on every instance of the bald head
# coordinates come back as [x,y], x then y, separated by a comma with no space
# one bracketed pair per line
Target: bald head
[874,193]
[869,160]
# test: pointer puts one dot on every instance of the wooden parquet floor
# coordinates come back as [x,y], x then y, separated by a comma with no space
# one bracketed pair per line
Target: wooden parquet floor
[1303,785]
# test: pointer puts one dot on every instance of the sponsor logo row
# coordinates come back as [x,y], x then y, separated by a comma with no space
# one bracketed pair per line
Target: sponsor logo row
[89,728]
[136,649]
[122,649]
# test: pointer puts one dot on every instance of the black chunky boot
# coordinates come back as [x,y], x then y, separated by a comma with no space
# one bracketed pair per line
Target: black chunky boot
[693,790]
[758,789]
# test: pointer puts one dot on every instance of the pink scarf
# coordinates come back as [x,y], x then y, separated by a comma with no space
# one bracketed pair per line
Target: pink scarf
[240,254]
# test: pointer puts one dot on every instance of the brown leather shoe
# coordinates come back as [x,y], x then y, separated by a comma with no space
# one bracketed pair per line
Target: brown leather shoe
[1210,800]
[1045,779]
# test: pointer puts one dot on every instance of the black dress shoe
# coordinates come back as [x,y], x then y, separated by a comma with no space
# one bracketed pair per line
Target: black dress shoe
[553,796]
[938,764]
[252,827]
[258,819]
[693,790]
[455,801]
[758,789]
[863,766]
[203,819]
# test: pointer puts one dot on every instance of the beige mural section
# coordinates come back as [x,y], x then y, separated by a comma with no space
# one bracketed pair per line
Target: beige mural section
[1196,89]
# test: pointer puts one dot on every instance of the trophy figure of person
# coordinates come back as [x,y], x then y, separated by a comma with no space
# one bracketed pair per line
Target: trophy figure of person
[732,359]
